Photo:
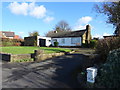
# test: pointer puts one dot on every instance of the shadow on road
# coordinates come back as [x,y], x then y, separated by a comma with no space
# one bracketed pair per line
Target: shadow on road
[51,73]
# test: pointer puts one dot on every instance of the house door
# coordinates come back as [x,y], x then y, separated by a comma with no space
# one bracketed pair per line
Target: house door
[42,42]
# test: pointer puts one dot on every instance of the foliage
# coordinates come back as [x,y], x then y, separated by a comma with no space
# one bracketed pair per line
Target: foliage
[35,33]
[11,42]
[56,44]
[24,60]
[112,10]
[109,73]
[105,45]
[7,43]
[85,45]
[93,43]
[28,49]
[22,43]
[35,42]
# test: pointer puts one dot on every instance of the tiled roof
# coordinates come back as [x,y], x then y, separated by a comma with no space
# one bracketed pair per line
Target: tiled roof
[77,33]
[8,34]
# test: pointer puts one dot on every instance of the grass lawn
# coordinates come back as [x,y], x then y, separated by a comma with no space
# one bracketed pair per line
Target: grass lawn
[30,49]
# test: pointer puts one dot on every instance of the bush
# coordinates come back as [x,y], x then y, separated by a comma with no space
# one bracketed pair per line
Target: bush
[104,46]
[24,60]
[55,44]
[17,44]
[7,43]
[109,73]
[35,42]
[85,45]
[11,42]
[22,43]
[93,43]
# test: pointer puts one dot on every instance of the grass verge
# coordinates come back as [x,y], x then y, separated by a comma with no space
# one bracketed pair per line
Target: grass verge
[30,49]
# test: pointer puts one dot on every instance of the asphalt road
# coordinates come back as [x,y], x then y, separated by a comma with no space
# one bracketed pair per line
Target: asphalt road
[52,73]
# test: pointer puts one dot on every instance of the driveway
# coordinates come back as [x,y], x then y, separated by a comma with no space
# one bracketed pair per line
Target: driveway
[53,73]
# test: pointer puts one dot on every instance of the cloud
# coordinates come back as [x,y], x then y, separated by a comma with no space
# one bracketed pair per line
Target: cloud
[97,36]
[85,20]
[21,32]
[31,9]
[17,8]
[81,22]
[106,34]
[101,36]
[38,11]
[79,27]
[48,19]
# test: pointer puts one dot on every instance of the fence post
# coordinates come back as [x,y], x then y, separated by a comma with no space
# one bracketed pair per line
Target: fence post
[38,54]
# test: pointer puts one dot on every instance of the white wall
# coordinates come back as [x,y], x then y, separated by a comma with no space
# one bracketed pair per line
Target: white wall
[10,37]
[48,40]
[67,41]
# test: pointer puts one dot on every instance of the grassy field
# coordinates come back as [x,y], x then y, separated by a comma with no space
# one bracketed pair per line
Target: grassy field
[27,50]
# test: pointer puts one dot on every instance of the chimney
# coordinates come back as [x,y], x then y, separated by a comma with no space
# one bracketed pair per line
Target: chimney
[88,34]
[55,31]
[88,27]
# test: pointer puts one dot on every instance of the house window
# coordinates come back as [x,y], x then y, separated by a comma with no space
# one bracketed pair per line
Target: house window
[63,41]
[75,40]
[49,40]
[54,40]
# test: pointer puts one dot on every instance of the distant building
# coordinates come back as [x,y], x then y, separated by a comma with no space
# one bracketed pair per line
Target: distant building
[8,34]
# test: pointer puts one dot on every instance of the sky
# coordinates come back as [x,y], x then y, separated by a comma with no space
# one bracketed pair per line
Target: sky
[25,17]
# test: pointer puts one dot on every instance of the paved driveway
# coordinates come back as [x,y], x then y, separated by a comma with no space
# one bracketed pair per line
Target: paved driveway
[52,73]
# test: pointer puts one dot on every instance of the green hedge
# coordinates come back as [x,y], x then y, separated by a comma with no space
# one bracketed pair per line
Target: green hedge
[93,44]
[11,42]
[109,73]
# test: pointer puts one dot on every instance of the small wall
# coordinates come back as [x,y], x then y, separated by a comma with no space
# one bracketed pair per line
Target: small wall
[15,57]
[5,57]
[38,55]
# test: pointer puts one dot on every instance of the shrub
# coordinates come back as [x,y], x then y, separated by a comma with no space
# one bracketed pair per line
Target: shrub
[17,44]
[109,73]
[22,43]
[93,43]
[4,43]
[105,45]
[11,42]
[55,44]
[85,45]
[35,42]
[24,60]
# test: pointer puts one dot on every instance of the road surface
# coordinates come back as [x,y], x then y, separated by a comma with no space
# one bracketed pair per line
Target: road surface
[52,73]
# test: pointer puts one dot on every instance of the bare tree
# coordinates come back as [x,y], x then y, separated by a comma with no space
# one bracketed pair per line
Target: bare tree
[112,10]
[61,26]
